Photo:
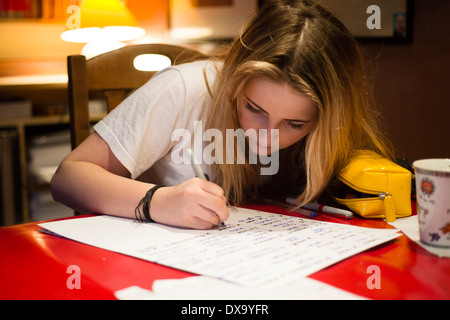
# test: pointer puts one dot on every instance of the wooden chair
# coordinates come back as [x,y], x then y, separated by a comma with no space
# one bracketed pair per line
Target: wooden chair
[113,76]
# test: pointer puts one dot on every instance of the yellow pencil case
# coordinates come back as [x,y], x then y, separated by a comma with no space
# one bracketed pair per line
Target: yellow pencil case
[383,188]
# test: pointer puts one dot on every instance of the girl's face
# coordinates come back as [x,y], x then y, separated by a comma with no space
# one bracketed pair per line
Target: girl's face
[266,104]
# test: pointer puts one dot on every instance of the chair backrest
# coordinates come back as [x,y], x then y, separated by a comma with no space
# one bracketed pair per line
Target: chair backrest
[113,76]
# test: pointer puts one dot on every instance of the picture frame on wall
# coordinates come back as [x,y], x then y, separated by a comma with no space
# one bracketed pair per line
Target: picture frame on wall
[390,20]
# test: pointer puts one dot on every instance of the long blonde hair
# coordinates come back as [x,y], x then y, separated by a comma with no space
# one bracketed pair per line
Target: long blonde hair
[300,43]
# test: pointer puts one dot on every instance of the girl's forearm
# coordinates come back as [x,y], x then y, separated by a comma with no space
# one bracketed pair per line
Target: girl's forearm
[88,187]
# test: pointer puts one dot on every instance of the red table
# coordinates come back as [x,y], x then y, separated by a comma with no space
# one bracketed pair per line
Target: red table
[35,265]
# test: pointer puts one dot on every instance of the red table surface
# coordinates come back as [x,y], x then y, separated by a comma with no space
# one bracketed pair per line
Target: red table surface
[34,265]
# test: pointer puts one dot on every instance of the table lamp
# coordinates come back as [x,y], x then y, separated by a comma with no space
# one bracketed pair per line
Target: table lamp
[102,24]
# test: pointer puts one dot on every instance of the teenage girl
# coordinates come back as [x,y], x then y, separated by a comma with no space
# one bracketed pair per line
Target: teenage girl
[295,72]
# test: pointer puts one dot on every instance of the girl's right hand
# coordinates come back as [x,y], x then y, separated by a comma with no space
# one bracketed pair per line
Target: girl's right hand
[195,203]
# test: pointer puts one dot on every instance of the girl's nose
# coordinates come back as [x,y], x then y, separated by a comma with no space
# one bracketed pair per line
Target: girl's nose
[268,137]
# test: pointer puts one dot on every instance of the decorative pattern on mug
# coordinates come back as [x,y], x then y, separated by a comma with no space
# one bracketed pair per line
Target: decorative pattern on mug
[427,187]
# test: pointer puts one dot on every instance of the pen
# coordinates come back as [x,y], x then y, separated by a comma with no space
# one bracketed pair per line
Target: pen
[345,214]
[198,171]
[301,211]
[196,166]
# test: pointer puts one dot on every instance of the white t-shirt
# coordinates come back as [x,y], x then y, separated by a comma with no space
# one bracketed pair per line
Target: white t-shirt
[139,131]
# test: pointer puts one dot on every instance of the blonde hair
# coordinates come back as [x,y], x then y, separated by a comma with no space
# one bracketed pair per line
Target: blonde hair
[300,43]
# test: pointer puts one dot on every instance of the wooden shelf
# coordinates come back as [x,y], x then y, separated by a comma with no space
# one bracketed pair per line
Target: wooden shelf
[20,124]
[43,120]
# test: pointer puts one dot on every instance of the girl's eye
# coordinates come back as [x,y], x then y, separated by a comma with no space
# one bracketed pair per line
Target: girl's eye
[251,109]
[295,126]
[292,125]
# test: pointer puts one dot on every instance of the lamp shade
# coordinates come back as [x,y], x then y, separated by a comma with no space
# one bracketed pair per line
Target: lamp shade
[104,19]
[105,13]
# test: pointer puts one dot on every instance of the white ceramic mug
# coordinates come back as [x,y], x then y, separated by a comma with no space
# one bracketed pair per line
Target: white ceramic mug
[433,201]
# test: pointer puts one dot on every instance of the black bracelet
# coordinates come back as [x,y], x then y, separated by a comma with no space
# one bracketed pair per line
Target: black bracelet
[145,203]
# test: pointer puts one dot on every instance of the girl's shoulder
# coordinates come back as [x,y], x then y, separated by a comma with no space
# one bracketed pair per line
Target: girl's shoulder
[198,65]
[192,71]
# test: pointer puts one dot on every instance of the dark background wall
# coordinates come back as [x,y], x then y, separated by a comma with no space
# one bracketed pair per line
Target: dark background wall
[412,83]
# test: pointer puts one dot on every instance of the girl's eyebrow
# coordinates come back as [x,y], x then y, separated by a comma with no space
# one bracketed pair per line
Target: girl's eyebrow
[257,106]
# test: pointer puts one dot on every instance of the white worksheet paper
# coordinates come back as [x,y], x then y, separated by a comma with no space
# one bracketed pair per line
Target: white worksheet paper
[253,248]
[410,227]
[207,288]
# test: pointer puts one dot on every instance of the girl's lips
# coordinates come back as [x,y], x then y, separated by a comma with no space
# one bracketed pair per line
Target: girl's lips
[262,145]
[260,149]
